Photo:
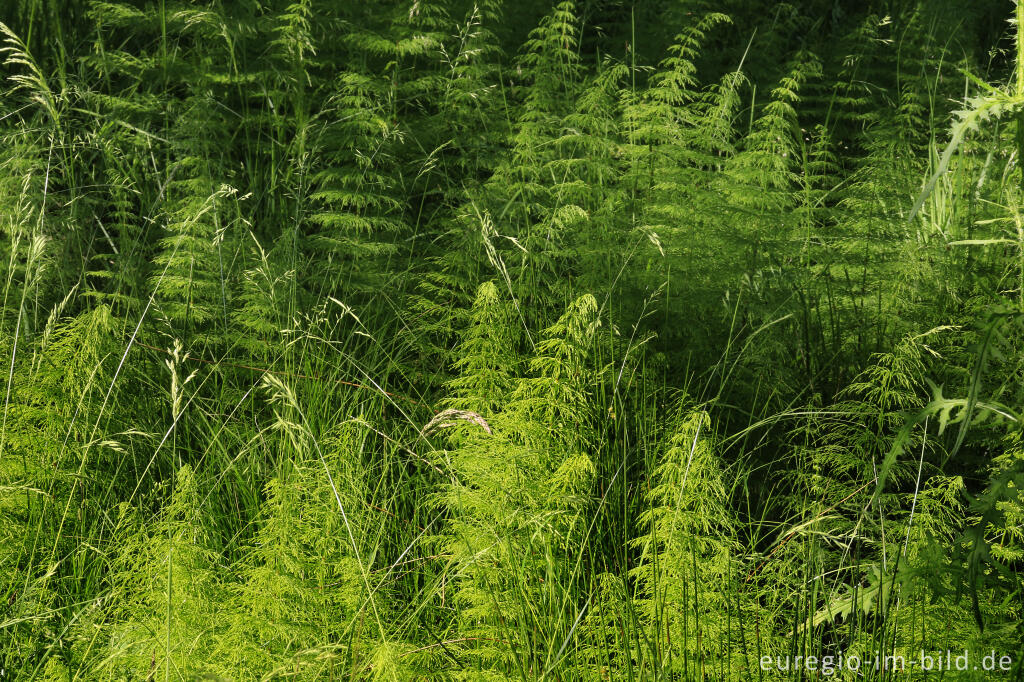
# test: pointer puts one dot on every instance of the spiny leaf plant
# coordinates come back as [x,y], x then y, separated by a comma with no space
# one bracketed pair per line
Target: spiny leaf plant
[689,557]
[513,546]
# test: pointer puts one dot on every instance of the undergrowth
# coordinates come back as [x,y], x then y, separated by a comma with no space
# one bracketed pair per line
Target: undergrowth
[510,341]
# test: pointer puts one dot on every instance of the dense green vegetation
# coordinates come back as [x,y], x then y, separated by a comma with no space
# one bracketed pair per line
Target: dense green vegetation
[485,340]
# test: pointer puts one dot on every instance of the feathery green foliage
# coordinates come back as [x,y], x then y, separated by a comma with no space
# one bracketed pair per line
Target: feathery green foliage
[463,339]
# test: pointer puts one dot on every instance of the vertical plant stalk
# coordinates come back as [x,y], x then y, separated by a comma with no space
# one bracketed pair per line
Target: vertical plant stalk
[167,635]
[1019,16]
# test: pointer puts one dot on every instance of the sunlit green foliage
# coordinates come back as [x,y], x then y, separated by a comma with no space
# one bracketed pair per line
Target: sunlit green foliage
[455,340]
